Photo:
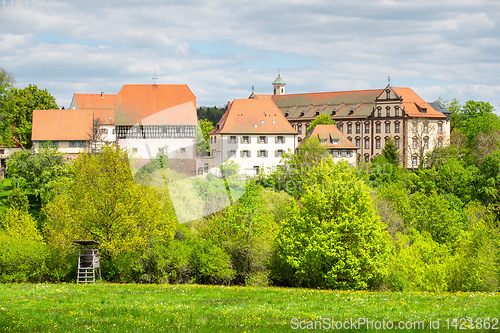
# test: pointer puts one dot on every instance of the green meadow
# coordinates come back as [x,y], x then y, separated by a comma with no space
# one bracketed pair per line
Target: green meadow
[106,307]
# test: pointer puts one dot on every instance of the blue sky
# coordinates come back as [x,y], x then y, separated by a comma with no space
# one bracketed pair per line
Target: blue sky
[447,48]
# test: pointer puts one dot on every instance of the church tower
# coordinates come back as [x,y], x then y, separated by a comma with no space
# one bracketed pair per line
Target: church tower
[279,86]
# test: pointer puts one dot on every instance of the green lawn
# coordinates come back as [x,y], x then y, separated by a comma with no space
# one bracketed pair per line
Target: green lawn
[194,308]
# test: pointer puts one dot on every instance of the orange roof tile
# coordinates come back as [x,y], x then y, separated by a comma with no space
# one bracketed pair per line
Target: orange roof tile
[105,116]
[361,102]
[331,133]
[253,116]
[160,104]
[61,125]
[95,101]
[414,105]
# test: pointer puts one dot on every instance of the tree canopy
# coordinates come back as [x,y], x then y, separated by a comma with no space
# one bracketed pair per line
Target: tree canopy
[105,204]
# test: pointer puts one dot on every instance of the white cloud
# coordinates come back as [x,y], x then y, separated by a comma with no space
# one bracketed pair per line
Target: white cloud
[318,45]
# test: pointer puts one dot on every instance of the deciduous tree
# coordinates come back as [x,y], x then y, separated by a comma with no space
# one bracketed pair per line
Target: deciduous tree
[333,238]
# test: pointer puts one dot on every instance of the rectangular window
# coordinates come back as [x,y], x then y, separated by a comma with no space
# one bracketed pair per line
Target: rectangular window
[256,169]
[183,149]
[426,144]
[245,153]
[415,127]
[231,153]
[396,111]
[262,153]
[279,153]
[160,150]
[358,129]
[246,139]
[358,143]
[426,127]
[2,151]
[379,113]
[440,128]
[349,129]
[367,144]
[348,153]
[397,143]
[104,130]
[388,128]
[440,142]
[262,139]
[396,127]
[232,139]
[367,128]
[414,143]
[113,131]
[377,143]
[414,161]
[299,129]
[377,128]
[388,112]
[340,127]
[344,153]
[280,139]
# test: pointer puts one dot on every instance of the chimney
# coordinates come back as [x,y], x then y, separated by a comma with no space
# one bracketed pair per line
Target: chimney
[102,94]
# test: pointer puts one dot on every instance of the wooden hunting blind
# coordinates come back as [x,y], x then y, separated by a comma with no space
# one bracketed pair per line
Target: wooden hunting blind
[88,261]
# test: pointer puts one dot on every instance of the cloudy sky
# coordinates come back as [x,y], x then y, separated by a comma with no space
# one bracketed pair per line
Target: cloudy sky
[440,48]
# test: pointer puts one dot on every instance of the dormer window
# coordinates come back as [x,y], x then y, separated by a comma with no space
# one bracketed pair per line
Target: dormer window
[286,114]
[351,111]
[335,141]
[424,110]
[302,114]
[334,113]
[317,113]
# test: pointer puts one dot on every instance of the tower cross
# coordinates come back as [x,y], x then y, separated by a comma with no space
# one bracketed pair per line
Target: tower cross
[389,79]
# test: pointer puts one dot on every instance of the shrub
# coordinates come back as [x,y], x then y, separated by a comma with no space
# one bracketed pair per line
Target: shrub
[209,264]
[22,259]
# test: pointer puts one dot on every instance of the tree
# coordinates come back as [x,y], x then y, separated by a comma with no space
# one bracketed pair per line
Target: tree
[105,204]
[332,238]
[212,114]
[25,101]
[390,152]
[35,171]
[473,109]
[323,119]
[6,105]
[456,113]
[202,135]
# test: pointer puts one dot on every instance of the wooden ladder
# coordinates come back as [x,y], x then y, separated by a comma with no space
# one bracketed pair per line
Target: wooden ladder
[86,275]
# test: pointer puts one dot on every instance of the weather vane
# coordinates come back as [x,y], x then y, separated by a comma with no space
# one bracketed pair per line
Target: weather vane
[253,89]
[154,78]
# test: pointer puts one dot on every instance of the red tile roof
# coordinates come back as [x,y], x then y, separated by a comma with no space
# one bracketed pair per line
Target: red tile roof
[95,101]
[340,104]
[160,104]
[413,105]
[61,125]
[253,116]
[331,133]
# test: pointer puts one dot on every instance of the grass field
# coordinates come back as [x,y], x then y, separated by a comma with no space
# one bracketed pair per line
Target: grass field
[194,308]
